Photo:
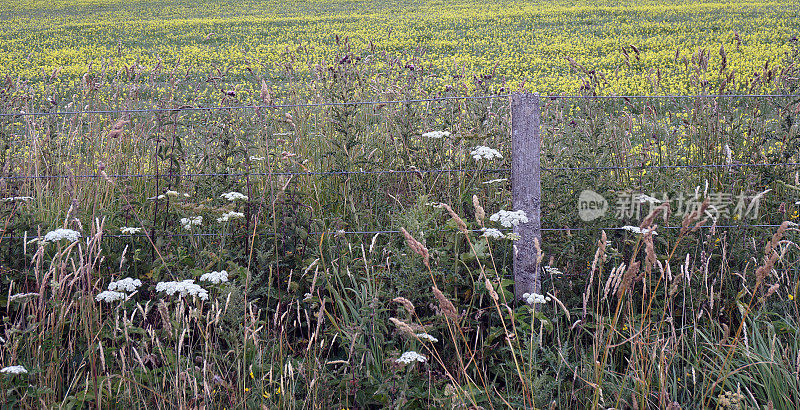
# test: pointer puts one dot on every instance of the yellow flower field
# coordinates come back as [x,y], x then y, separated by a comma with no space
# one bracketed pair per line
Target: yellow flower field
[640,46]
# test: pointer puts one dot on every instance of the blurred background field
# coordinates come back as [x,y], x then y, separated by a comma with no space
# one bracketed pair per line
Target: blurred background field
[631,43]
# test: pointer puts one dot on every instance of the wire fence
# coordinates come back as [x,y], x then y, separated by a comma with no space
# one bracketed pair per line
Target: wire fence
[393,172]
[385,102]
[373,173]
[394,231]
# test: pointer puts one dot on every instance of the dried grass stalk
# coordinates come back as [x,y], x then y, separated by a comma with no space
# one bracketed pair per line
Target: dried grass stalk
[406,303]
[480,213]
[628,278]
[417,247]
[402,326]
[462,226]
[116,130]
[406,327]
[491,290]
[445,306]
[648,221]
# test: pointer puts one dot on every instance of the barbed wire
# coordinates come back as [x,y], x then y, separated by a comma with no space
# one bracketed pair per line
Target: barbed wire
[241,174]
[645,167]
[378,102]
[392,171]
[253,107]
[666,96]
[391,231]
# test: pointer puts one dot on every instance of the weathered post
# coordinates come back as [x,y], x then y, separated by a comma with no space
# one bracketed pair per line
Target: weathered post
[526,190]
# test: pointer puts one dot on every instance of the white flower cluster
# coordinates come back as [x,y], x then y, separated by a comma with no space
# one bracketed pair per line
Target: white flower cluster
[234,196]
[642,198]
[436,134]
[425,336]
[492,233]
[116,290]
[59,234]
[255,158]
[487,153]
[14,370]
[535,298]
[170,193]
[230,215]
[495,181]
[182,288]
[215,277]
[552,270]
[510,218]
[411,356]
[109,296]
[637,230]
[18,198]
[187,223]
[127,230]
[127,285]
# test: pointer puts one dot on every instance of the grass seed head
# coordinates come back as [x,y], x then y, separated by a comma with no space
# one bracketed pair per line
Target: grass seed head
[406,303]
[445,306]
[416,246]
[480,214]
[462,226]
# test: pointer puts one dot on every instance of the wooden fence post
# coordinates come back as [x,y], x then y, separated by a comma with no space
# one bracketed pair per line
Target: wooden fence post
[526,190]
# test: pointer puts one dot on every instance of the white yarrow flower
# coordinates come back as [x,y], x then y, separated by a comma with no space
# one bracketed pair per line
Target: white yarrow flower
[182,288]
[109,296]
[18,198]
[427,337]
[492,233]
[411,356]
[532,298]
[255,158]
[552,270]
[59,234]
[642,198]
[215,277]
[436,134]
[234,196]
[637,230]
[187,223]
[230,215]
[509,218]
[495,181]
[14,370]
[127,230]
[127,285]
[487,153]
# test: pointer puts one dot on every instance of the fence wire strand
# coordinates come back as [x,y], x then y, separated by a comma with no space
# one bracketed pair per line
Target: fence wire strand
[391,231]
[387,102]
[391,171]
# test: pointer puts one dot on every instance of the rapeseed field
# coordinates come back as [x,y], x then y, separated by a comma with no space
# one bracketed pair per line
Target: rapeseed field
[640,47]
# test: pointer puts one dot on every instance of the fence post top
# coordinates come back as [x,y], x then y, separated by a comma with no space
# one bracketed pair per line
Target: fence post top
[519,97]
